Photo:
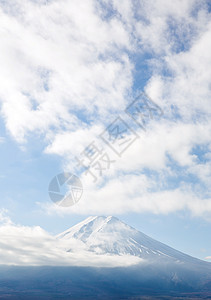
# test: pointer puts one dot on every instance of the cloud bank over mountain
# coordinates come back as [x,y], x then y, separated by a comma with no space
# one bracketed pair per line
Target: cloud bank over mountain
[94,242]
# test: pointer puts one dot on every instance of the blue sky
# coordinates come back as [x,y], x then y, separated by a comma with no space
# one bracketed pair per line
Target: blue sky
[68,70]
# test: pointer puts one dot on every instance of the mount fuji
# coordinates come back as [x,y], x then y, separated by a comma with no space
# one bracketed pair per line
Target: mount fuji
[108,235]
[159,272]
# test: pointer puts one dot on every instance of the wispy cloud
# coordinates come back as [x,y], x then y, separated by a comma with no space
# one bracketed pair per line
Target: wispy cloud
[4,218]
[2,139]
[24,245]
[54,67]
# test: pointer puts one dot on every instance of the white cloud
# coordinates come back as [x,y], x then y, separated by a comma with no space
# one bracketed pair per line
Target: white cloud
[22,245]
[2,139]
[188,88]
[73,143]
[136,194]
[167,155]
[4,218]
[58,59]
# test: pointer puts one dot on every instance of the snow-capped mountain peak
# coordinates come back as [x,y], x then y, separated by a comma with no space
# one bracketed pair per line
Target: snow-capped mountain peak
[109,235]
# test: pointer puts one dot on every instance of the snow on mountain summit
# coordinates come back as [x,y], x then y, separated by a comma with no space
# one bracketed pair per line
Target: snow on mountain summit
[109,235]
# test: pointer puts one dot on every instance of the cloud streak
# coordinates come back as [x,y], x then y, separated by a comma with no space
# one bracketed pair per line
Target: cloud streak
[33,246]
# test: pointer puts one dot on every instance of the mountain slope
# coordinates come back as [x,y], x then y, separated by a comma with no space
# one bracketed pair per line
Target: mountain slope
[108,235]
[162,273]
